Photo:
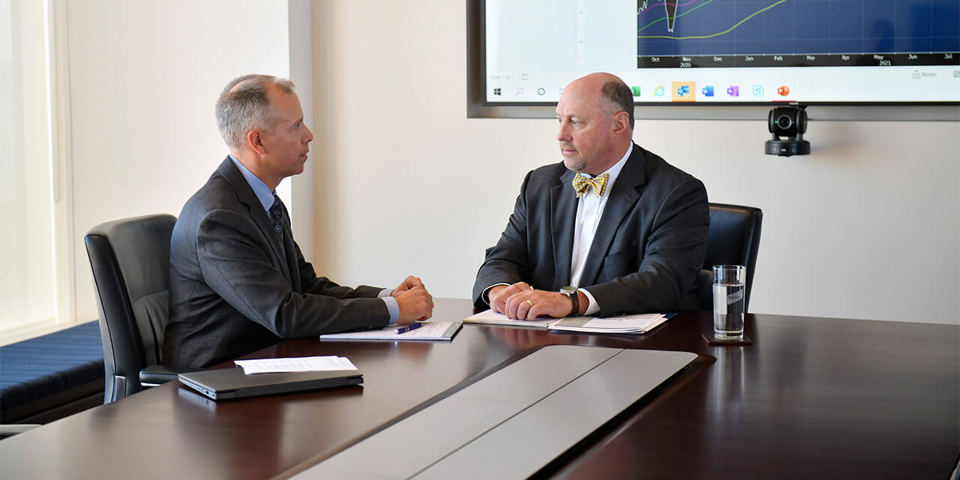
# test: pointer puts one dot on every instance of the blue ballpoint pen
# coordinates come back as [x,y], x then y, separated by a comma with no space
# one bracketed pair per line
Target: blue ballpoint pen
[412,326]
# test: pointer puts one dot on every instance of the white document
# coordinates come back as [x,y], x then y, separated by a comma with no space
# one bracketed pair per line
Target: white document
[632,322]
[639,323]
[295,364]
[489,317]
[428,331]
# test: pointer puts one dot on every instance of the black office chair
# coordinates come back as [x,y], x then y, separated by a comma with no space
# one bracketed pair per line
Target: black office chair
[734,239]
[130,259]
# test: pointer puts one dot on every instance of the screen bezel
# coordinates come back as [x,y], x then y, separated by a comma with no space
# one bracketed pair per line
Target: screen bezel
[478,107]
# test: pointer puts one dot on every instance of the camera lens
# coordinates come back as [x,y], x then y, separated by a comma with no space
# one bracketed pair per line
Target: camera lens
[784,121]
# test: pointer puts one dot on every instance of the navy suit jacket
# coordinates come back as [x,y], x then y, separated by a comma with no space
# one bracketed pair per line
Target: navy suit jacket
[647,250]
[235,289]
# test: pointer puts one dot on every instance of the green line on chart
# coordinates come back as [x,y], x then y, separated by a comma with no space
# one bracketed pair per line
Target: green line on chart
[704,4]
[700,37]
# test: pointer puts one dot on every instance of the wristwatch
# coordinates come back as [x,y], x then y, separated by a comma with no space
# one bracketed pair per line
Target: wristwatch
[574,295]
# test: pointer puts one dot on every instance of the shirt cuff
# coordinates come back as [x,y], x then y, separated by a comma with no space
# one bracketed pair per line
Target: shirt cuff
[393,307]
[593,307]
[483,295]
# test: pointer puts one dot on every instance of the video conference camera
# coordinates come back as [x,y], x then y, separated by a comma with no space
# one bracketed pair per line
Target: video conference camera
[790,122]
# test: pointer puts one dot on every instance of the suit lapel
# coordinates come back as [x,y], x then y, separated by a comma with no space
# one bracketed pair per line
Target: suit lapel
[255,209]
[290,249]
[625,193]
[563,206]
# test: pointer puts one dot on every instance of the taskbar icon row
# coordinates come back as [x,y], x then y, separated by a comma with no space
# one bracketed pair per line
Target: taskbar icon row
[687,92]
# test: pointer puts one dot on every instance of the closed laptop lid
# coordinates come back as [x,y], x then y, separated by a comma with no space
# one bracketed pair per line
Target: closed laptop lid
[233,383]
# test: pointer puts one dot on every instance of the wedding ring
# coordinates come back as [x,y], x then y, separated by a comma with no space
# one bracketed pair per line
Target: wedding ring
[529,303]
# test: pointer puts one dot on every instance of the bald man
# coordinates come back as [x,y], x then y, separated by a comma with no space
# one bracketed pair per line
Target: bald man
[238,281]
[613,229]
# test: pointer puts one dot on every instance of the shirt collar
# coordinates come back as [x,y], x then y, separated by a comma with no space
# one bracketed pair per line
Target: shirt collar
[260,189]
[614,171]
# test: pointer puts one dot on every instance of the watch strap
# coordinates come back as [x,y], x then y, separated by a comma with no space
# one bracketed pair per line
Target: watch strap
[574,295]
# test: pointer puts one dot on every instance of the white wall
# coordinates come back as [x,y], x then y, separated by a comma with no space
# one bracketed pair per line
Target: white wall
[865,227]
[144,77]
[300,204]
[25,201]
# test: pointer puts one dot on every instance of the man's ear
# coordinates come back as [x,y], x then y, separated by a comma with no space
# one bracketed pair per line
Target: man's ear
[255,141]
[621,121]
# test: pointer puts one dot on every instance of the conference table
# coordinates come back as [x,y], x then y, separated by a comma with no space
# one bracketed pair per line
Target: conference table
[809,398]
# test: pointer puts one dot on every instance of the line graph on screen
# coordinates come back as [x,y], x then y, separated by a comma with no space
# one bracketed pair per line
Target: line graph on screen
[919,30]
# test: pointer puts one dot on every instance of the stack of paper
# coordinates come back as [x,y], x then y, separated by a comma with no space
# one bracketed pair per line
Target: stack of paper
[489,317]
[295,364]
[636,324]
[428,331]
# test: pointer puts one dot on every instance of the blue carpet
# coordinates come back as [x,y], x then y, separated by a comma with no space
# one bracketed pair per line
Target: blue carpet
[50,364]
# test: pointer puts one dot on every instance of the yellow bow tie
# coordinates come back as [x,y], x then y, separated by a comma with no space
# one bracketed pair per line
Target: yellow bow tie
[582,184]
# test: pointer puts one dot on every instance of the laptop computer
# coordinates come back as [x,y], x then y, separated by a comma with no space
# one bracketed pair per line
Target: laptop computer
[227,383]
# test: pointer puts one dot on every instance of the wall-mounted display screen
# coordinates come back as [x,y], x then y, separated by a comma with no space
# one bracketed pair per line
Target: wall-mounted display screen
[726,51]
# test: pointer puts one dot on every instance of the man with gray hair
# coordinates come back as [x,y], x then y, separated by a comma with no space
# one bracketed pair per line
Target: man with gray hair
[611,229]
[238,280]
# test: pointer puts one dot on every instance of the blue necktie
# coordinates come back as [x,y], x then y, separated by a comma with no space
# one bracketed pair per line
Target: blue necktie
[276,217]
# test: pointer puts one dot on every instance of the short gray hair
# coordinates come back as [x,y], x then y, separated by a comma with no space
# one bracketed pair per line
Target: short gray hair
[244,105]
[620,95]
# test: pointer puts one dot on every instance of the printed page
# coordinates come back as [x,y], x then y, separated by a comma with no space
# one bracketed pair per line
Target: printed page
[295,364]
[493,318]
[629,322]
[426,331]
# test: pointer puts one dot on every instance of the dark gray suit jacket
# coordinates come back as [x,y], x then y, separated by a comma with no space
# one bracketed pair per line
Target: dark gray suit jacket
[649,245]
[233,287]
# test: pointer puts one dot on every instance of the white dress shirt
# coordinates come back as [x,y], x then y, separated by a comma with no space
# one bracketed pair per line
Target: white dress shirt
[589,211]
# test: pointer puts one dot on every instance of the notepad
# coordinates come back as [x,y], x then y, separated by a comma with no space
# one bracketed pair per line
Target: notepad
[489,317]
[634,324]
[428,332]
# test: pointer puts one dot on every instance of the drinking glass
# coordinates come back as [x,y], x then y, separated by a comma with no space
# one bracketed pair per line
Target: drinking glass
[728,301]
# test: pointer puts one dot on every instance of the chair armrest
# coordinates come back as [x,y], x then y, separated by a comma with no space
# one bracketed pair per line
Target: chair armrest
[157,374]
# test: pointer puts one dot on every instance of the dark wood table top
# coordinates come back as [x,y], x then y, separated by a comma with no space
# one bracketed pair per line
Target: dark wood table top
[811,398]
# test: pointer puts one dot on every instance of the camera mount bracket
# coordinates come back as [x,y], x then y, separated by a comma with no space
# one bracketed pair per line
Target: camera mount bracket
[790,122]
[786,148]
